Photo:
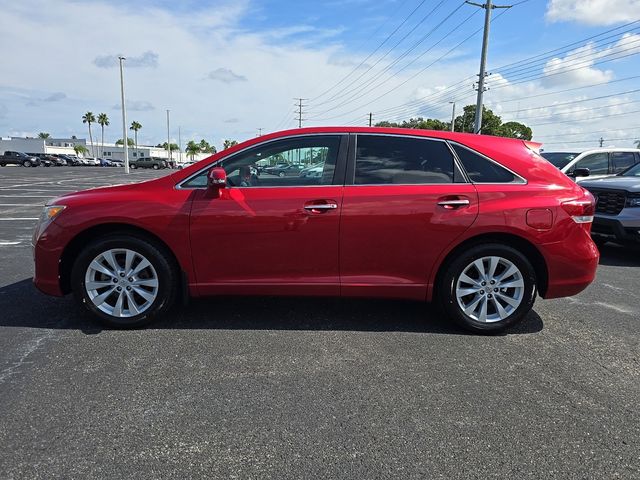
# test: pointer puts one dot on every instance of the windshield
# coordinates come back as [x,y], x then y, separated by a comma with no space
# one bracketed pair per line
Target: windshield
[632,172]
[559,159]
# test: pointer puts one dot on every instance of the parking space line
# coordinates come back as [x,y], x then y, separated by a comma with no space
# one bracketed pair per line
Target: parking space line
[19,218]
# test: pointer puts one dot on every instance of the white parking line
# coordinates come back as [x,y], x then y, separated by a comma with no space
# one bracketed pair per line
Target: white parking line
[19,218]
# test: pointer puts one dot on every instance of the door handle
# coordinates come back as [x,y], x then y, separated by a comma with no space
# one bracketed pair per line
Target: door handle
[453,204]
[320,207]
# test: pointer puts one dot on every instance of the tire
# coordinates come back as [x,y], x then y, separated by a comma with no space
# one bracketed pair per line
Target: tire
[281,174]
[156,167]
[503,307]
[27,163]
[3,164]
[133,166]
[103,300]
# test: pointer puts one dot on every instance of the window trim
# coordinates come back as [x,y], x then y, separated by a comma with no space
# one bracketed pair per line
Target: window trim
[353,148]
[338,174]
[522,180]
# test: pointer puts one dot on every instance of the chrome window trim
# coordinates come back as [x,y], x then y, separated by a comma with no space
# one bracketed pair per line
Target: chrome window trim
[209,165]
[523,181]
[413,137]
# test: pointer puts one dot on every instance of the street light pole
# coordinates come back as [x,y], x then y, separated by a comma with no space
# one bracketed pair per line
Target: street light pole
[168,138]
[124,119]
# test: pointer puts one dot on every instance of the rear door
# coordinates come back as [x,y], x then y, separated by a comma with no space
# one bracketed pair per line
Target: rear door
[271,234]
[621,161]
[406,202]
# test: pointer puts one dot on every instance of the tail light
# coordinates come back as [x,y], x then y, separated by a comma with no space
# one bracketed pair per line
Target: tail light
[581,210]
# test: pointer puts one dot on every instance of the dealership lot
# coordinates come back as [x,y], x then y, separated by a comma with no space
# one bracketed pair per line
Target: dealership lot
[299,388]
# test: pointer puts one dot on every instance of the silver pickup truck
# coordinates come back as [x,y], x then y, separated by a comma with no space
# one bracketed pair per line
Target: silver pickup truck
[617,216]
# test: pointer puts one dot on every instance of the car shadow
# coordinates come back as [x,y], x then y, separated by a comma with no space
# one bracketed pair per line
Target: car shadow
[614,255]
[22,305]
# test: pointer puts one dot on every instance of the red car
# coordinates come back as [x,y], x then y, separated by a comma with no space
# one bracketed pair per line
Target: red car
[479,224]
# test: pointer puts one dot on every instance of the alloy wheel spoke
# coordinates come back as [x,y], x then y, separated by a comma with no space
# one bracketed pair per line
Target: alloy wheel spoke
[117,308]
[471,307]
[102,269]
[144,263]
[463,292]
[508,272]
[512,284]
[479,264]
[499,308]
[482,316]
[145,282]
[511,301]
[133,306]
[493,264]
[464,278]
[128,260]
[99,299]
[111,260]
[96,285]
[149,297]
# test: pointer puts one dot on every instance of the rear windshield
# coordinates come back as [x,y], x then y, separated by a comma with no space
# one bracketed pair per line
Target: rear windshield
[559,159]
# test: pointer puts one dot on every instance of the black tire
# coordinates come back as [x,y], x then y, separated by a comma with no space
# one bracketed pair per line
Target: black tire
[3,164]
[164,265]
[156,167]
[133,166]
[447,287]
[26,163]
[281,174]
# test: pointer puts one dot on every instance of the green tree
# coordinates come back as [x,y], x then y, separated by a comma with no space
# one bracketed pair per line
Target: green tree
[386,124]
[174,146]
[205,147]
[638,143]
[43,135]
[103,120]
[129,142]
[135,126]
[192,149]
[490,121]
[229,144]
[515,130]
[80,149]
[89,118]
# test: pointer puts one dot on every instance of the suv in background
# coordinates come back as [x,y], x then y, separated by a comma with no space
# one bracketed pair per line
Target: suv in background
[49,160]
[617,216]
[598,162]
[18,158]
[149,162]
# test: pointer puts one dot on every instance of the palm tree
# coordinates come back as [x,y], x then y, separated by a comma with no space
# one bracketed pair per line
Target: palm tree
[638,143]
[89,118]
[135,126]
[80,149]
[103,120]
[192,148]
[43,135]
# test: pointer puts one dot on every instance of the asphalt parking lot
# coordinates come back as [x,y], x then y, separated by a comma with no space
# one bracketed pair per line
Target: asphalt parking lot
[298,388]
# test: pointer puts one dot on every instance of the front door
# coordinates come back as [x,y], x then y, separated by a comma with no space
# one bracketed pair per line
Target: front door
[268,234]
[407,204]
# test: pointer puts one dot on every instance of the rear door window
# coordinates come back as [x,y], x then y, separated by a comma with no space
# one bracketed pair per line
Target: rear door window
[382,160]
[620,161]
[482,170]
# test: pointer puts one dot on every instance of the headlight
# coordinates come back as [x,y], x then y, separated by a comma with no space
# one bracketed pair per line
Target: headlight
[633,201]
[51,211]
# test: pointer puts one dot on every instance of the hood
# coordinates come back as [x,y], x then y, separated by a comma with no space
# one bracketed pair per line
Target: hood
[630,184]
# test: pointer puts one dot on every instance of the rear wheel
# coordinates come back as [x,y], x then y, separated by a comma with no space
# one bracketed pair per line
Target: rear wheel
[488,288]
[155,166]
[26,163]
[133,166]
[281,174]
[125,281]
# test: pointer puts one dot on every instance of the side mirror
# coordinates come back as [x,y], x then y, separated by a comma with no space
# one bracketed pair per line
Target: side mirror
[581,172]
[216,180]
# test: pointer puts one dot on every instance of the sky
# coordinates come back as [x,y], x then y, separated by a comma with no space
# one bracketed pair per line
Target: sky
[232,69]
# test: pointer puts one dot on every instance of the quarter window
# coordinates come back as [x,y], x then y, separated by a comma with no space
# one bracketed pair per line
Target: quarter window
[480,169]
[402,160]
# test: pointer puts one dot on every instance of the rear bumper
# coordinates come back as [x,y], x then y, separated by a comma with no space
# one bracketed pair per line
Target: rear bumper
[621,228]
[571,264]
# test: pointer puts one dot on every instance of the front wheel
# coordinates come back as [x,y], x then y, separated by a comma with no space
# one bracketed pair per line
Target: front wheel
[281,174]
[488,288]
[26,163]
[155,166]
[125,281]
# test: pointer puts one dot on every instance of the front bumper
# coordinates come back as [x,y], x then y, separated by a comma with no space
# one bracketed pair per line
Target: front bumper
[624,227]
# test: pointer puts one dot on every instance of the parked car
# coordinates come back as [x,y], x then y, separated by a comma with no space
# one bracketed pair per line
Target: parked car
[49,160]
[598,163]
[91,162]
[617,216]
[18,158]
[185,164]
[148,162]
[116,162]
[104,162]
[475,223]
[287,170]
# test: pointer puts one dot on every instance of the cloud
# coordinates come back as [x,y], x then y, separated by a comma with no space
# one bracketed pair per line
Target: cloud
[593,12]
[148,59]
[54,97]
[136,106]
[231,120]
[225,75]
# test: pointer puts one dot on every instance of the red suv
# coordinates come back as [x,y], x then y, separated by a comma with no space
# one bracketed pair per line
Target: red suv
[480,224]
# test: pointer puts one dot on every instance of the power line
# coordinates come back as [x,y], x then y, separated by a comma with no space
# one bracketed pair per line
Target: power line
[585,119]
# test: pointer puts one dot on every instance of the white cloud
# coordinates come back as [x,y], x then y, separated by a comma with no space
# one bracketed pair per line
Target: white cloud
[226,76]
[148,59]
[135,106]
[593,12]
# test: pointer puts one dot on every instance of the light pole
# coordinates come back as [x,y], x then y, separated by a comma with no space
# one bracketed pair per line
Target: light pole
[453,117]
[168,138]
[124,119]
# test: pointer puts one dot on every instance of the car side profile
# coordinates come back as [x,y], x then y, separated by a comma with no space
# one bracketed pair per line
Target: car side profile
[478,224]
[18,158]
[594,163]
[149,162]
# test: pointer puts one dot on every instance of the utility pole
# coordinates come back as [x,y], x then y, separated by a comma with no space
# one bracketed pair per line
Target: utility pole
[168,138]
[370,119]
[124,119]
[483,59]
[601,142]
[453,117]
[259,132]
[299,112]
[179,144]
